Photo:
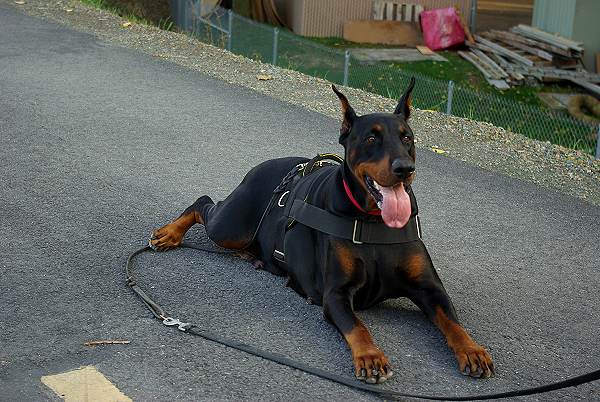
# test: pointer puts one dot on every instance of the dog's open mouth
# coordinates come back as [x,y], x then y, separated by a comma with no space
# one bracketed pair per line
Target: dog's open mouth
[393,201]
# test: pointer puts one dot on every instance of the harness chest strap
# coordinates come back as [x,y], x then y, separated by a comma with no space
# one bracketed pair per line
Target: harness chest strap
[357,230]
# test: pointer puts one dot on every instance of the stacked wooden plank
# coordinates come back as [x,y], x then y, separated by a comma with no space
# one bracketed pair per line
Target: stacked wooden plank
[509,58]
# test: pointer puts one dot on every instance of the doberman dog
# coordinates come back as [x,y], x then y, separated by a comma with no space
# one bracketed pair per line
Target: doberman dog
[371,187]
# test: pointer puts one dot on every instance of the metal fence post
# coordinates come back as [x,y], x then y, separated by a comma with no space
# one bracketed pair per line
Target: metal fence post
[450,94]
[175,12]
[197,14]
[186,16]
[473,24]
[229,31]
[346,65]
[598,143]
[275,45]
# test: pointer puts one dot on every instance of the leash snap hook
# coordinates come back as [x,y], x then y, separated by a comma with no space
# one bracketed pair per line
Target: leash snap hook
[171,322]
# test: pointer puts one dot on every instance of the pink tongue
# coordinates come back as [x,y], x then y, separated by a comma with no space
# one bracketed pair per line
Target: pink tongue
[395,210]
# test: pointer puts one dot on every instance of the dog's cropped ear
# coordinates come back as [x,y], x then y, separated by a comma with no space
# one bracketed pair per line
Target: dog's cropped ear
[348,114]
[405,103]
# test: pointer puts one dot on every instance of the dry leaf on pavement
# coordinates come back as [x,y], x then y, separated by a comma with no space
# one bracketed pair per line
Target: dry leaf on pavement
[438,150]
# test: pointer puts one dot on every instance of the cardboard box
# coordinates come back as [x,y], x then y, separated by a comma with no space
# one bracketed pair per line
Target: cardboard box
[383,32]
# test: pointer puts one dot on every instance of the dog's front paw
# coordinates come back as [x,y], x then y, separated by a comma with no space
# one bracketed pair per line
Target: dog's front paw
[372,366]
[167,237]
[475,361]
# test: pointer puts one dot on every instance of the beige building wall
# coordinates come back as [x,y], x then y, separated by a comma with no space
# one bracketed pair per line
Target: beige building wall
[324,18]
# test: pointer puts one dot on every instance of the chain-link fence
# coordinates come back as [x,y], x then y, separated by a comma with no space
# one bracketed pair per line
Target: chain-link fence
[257,41]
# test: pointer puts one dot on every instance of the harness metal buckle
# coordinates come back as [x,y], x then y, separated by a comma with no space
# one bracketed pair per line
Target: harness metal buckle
[354,233]
[279,203]
[170,322]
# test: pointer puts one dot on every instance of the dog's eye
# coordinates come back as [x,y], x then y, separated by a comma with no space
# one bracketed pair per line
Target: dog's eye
[371,139]
[405,138]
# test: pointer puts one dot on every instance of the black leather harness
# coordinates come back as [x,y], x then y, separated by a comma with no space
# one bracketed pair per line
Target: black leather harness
[298,188]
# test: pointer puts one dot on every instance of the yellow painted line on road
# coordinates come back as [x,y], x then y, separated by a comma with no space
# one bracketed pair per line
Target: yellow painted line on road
[84,384]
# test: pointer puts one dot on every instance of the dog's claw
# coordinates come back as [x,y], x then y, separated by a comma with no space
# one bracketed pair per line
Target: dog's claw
[371,366]
[475,362]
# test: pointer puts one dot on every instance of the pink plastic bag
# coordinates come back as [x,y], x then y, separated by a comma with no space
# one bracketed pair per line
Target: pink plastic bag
[441,28]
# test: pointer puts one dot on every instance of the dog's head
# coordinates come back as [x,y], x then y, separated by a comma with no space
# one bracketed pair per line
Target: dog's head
[380,153]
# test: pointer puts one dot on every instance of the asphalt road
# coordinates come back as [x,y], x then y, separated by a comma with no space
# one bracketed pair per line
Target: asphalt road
[100,144]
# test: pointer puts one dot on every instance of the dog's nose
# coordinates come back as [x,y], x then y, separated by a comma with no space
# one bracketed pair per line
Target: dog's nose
[403,167]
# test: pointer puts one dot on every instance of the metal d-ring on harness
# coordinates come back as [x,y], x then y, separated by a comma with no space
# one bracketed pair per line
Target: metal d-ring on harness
[193,329]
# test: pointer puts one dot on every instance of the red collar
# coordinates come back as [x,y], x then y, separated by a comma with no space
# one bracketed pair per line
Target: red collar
[355,203]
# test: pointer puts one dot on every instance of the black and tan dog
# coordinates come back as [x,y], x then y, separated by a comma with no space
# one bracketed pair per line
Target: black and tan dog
[373,253]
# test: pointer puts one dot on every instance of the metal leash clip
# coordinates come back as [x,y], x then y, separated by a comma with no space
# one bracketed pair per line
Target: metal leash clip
[182,326]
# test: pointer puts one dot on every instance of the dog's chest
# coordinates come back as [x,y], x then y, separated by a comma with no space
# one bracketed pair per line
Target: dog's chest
[384,271]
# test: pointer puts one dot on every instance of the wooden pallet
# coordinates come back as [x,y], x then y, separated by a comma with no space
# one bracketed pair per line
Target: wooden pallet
[386,10]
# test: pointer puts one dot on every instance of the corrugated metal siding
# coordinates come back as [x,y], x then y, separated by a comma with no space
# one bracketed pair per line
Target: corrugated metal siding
[326,18]
[586,29]
[555,16]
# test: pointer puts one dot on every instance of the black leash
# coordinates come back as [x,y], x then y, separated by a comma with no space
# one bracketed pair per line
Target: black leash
[161,314]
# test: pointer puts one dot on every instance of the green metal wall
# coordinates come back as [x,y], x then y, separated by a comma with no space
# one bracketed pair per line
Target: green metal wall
[556,16]
[573,19]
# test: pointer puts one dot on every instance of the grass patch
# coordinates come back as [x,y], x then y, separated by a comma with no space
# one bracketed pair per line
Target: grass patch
[456,69]
[130,12]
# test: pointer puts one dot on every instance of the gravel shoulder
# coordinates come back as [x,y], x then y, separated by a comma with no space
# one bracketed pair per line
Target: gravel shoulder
[477,143]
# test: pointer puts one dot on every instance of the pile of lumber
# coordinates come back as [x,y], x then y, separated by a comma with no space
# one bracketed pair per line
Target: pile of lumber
[508,58]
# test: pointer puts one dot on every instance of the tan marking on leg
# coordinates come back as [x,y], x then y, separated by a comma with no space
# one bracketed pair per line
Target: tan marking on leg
[455,334]
[345,258]
[233,244]
[472,359]
[359,338]
[369,361]
[413,268]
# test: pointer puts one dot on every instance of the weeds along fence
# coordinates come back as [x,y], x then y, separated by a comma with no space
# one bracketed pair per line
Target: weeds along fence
[282,48]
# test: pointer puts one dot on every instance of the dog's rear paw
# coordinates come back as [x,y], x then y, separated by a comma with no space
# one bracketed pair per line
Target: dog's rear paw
[256,263]
[475,362]
[166,238]
[372,366]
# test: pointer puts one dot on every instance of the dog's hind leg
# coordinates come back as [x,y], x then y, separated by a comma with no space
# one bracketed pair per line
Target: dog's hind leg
[170,235]
[230,223]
